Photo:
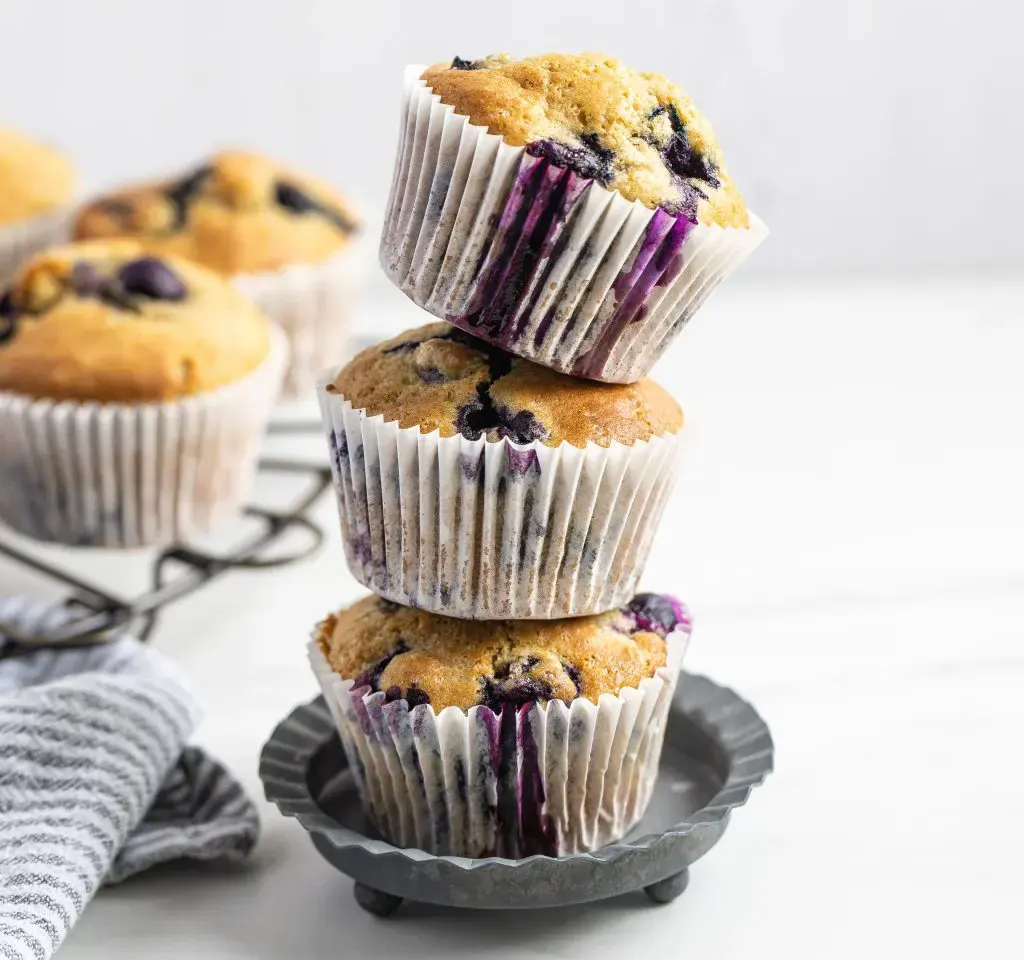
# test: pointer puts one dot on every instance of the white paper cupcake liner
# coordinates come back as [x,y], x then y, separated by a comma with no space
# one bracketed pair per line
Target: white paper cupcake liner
[19,241]
[312,304]
[133,475]
[540,779]
[494,530]
[537,260]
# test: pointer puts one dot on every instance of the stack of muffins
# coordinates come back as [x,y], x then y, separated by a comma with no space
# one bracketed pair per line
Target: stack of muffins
[500,475]
[139,366]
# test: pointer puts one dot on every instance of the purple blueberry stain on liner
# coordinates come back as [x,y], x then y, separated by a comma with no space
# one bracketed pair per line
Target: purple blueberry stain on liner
[537,831]
[521,462]
[472,468]
[531,230]
[661,247]
[338,442]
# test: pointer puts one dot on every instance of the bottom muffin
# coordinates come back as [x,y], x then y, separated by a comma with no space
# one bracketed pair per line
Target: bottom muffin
[502,738]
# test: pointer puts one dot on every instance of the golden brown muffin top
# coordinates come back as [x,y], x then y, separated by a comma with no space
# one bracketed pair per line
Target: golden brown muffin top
[426,658]
[104,321]
[238,213]
[631,131]
[34,178]
[438,377]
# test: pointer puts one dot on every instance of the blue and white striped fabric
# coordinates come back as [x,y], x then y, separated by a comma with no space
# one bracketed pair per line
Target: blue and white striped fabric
[96,782]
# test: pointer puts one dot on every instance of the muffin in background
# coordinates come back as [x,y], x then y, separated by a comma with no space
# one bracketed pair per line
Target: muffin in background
[284,238]
[474,484]
[134,392]
[564,207]
[37,184]
[502,738]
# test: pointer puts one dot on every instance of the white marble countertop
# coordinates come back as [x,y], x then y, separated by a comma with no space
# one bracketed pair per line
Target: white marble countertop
[849,534]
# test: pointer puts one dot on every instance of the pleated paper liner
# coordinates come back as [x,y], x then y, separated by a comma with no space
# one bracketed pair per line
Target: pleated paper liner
[491,530]
[312,303]
[19,241]
[538,779]
[543,263]
[133,475]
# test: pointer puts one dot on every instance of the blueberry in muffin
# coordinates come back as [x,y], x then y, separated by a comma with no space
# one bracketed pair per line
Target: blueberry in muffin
[438,377]
[629,130]
[421,657]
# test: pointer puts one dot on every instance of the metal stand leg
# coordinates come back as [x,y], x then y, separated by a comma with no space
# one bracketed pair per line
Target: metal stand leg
[377,902]
[665,891]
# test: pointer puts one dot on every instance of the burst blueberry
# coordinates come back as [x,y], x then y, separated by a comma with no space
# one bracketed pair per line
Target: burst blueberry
[656,612]
[589,159]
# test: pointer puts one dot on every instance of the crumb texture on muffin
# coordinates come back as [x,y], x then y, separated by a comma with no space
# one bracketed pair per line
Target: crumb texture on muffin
[438,377]
[237,213]
[631,131]
[424,658]
[106,321]
[34,178]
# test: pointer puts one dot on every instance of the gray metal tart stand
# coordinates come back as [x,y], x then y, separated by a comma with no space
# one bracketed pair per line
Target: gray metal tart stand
[717,749]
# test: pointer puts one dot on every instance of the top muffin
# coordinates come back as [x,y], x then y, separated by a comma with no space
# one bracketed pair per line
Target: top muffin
[630,131]
[238,213]
[34,178]
[425,658]
[438,377]
[107,322]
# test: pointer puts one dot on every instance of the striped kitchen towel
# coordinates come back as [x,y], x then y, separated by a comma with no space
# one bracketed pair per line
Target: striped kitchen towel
[96,782]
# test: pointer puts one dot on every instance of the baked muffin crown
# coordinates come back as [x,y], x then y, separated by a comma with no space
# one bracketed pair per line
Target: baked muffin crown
[631,131]
[425,658]
[438,377]
[106,321]
[34,178]
[237,213]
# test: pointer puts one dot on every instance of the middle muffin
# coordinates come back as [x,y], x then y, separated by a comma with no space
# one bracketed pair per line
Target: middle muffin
[479,485]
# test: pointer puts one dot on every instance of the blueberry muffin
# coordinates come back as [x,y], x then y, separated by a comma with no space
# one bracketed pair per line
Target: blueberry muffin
[631,131]
[133,393]
[494,724]
[238,213]
[566,208]
[438,377]
[107,322]
[283,237]
[37,183]
[475,484]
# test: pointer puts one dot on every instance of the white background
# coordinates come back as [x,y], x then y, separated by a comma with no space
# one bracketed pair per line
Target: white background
[880,134]
[848,531]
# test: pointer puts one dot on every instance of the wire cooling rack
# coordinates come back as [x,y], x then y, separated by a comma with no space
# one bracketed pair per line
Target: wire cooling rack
[95,613]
